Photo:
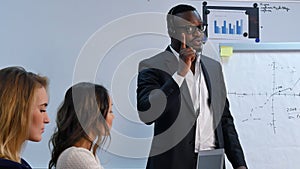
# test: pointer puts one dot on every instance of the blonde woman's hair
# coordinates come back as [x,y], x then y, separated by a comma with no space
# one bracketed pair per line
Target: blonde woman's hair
[17,90]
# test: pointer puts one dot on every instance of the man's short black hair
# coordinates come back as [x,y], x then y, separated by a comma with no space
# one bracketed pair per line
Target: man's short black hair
[174,11]
[181,8]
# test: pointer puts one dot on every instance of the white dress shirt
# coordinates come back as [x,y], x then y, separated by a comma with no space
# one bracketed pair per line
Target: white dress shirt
[205,137]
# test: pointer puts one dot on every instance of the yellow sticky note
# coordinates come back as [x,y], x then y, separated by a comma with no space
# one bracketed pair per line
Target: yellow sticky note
[226,51]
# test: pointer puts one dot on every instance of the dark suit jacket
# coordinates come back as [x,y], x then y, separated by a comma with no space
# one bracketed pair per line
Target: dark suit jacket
[162,102]
[8,164]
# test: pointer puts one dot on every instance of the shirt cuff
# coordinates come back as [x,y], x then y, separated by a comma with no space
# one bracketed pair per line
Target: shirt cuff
[178,79]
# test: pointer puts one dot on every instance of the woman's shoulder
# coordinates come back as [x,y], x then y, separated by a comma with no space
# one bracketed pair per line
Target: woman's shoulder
[8,164]
[75,153]
[77,157]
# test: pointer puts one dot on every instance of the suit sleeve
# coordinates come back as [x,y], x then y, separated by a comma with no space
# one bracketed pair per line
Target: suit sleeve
[155,91]
[232,144]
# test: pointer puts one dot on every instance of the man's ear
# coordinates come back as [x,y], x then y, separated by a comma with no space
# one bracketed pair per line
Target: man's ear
[172,32]
[171,29]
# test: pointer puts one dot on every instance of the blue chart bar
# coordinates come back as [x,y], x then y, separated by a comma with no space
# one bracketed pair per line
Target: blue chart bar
[216,28]
[229,28]
[224,29]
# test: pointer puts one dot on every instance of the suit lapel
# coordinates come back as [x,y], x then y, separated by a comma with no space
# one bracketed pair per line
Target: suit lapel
[217,93]
[171,63]
[207,81]
[187,97]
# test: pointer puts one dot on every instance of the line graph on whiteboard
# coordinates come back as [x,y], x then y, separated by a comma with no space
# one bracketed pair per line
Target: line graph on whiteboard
[264,89]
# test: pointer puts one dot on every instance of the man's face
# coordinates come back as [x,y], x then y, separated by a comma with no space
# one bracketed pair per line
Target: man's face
[192,26]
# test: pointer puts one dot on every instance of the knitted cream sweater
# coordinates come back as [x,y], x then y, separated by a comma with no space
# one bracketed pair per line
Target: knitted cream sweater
[78,158]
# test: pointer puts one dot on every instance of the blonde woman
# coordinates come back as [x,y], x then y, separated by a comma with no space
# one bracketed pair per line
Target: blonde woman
[23,115]
[83,123]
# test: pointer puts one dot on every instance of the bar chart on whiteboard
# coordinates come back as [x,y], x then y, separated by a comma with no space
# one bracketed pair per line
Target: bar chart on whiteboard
[229,28]
[228,24]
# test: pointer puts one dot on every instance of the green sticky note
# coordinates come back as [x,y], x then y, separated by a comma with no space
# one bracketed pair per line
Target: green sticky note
[226,51]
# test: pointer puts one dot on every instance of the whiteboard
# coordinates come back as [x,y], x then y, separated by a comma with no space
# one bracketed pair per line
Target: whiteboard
[263,87]
[278,19]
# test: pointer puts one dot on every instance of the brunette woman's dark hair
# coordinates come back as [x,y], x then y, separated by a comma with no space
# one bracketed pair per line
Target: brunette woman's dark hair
[83,111]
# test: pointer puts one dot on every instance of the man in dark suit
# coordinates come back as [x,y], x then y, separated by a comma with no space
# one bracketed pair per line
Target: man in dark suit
[183,93]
